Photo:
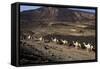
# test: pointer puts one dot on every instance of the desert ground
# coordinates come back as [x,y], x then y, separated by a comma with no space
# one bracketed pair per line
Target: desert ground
[33,50]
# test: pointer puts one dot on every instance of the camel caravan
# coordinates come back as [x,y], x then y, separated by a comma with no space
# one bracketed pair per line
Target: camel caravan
[71,44]
[75,44]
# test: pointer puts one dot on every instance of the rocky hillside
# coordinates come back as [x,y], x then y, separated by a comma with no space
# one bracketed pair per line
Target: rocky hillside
[45,14]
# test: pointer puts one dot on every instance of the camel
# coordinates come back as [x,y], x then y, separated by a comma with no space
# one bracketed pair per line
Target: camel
[64,42]
[77,44]
[88,46]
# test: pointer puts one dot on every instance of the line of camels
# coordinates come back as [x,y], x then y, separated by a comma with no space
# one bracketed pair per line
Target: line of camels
[75,44]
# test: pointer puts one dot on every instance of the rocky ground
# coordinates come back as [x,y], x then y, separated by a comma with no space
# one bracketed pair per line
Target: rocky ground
[37,52]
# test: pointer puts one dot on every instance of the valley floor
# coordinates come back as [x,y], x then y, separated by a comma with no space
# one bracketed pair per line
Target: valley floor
[38,52]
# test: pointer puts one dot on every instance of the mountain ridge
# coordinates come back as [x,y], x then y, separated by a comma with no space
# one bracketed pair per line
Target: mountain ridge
[57,14]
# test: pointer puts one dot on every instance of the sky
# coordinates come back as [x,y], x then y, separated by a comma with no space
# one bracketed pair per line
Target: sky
[25,7]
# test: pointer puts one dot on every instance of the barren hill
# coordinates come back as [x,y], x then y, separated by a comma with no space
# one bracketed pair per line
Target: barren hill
[56,14]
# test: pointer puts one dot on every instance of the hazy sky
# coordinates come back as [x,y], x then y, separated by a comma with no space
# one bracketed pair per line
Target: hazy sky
[25,7]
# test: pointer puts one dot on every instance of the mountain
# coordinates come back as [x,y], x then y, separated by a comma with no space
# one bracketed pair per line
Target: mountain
[49,14]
